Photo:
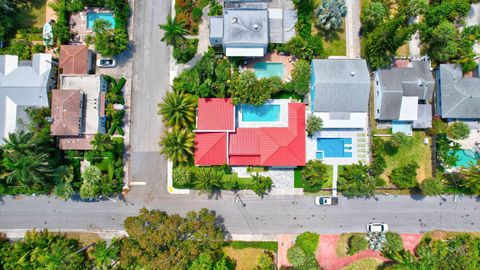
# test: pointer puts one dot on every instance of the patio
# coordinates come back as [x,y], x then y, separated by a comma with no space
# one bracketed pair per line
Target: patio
[78,24]
[275,58]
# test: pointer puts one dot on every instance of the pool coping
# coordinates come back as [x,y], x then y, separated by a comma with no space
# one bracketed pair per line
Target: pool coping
[283,122]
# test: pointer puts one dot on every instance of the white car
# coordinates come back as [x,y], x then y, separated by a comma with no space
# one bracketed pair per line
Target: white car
[106,62]
[377,227]
[326,201]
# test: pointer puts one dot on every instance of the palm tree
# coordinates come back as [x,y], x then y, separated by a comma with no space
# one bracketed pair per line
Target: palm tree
[104,254]
[471,177]
[261,184]
[63,177]
[177,145]
[18,142]
[208,179]
[178,110]
[174,31]
[330,13]
[102,142]
[27,168]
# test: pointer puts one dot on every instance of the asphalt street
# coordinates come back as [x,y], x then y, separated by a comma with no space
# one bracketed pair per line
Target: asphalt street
[271,215]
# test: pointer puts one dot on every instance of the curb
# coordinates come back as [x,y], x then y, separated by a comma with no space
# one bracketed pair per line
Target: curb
[105,234]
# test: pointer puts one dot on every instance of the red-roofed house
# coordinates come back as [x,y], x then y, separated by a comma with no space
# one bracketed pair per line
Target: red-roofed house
[218,141]
[76,59]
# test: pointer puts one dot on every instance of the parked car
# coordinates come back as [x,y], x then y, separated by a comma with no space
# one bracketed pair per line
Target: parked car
[377,227]
[326,201]
[106,62]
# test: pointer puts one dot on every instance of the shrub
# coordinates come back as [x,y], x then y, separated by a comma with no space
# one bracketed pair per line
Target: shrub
[296,256]
[378,166]
[246,89]
[304,48]
[394,242]
[265,261]
[314,124]
[196,14]
[356,243]
[261,184]
[314,175]
[182,176]
[438,127]
[405,176]
[308,241]
[398,140]
[38,48]
[432,186]
[216,9]
[301,77]
[186,51]
[458,131]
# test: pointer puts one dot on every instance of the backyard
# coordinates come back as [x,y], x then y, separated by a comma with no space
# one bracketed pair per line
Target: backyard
[334,43]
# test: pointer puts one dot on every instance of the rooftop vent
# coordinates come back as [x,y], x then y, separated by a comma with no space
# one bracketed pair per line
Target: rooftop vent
[256,27]
[234,19]
[352,73]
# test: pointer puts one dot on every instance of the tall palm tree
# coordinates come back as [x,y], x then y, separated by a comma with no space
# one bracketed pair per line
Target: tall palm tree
[261,184]
[178,110]
[27,168]
[104,254]
[18,142]
[330,14]
[177,145]
[102,142]
[208,179]
[471,177]
[174,31]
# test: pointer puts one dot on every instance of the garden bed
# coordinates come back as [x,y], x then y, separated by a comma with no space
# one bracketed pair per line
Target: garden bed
[364,264]
[342,243]
[227,177]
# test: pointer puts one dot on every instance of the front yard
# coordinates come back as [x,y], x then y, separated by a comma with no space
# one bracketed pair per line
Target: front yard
[245,254]
[417,151]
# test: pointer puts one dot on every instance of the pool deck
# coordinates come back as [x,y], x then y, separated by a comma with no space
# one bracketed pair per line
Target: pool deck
[276,58]
[78,24]
[471,141]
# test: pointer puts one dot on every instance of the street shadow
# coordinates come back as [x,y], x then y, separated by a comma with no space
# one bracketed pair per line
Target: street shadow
[124,57]
[417,196]
[2,202]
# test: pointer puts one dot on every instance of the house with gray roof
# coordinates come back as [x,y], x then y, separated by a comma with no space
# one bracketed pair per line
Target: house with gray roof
[458,96]
[403,96]
[23,84]
[339,94]
[247,27]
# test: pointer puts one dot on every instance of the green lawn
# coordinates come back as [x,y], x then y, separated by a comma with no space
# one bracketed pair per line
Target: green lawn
[329,182]
[342,244]
[336,45]
[298,177]
[243,183]
[244,259]
[273,246]
[417,152]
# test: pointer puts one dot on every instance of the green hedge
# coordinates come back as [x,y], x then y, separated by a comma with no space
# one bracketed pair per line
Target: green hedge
[356,243]
[273,246]
[186,52]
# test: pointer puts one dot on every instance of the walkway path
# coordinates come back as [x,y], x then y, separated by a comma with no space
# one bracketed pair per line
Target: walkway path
[411,241]
[334,181]
[352,25]
[285,241]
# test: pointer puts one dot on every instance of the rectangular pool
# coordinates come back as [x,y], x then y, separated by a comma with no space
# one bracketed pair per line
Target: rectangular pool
[334,147]
[269,69]
[264,113]
[93,16]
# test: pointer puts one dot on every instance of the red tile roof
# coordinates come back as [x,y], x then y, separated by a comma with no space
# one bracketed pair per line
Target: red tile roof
[76,143]
[74,59]
[277,146]
[66,112]
[216,114]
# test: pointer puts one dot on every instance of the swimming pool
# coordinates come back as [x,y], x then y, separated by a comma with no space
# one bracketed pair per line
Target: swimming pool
[268,69]
[466,157]
[334,148]
[264,113]
[93,16]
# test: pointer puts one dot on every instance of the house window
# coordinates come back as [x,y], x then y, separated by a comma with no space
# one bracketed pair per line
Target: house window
[378,111]
[378,92]
[376,82]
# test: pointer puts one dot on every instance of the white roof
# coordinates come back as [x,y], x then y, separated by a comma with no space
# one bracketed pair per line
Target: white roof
[245,52]
[21,85]
[343,120]
[409,109]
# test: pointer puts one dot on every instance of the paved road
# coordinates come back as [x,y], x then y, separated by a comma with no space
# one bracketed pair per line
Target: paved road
[150,82]
[272,215]
[352,25]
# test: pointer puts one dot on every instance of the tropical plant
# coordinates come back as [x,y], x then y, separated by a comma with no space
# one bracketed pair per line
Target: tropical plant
[378,165]
[63,177]
[376,240]
[393,242]
[208,179]
[314,175]
[458,131]
[178,110]
[261,184]
[185,51]
[432,186]
[356,243]
[301,77]
[182,176]
[330,13]
[314,124]
[177,145]
[471,177]
[308,241]
[102,143]
[296,256]
[446,152]
[405,176]
[246,89]
[105,255]
[91,177]
[399,139]
[355,181]
[108,42]
[265,261]
[373,14]
[182,240]
[174,31]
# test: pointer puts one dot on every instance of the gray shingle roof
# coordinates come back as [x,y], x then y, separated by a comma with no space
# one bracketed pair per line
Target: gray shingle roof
[460,97]
[415,81]
[341,85]
[216,27]
[245,26]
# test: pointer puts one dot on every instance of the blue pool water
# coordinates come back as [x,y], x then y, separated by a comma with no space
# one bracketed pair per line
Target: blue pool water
[466,157]
[93,16]
[334,147]
[264,113]
[268,69]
